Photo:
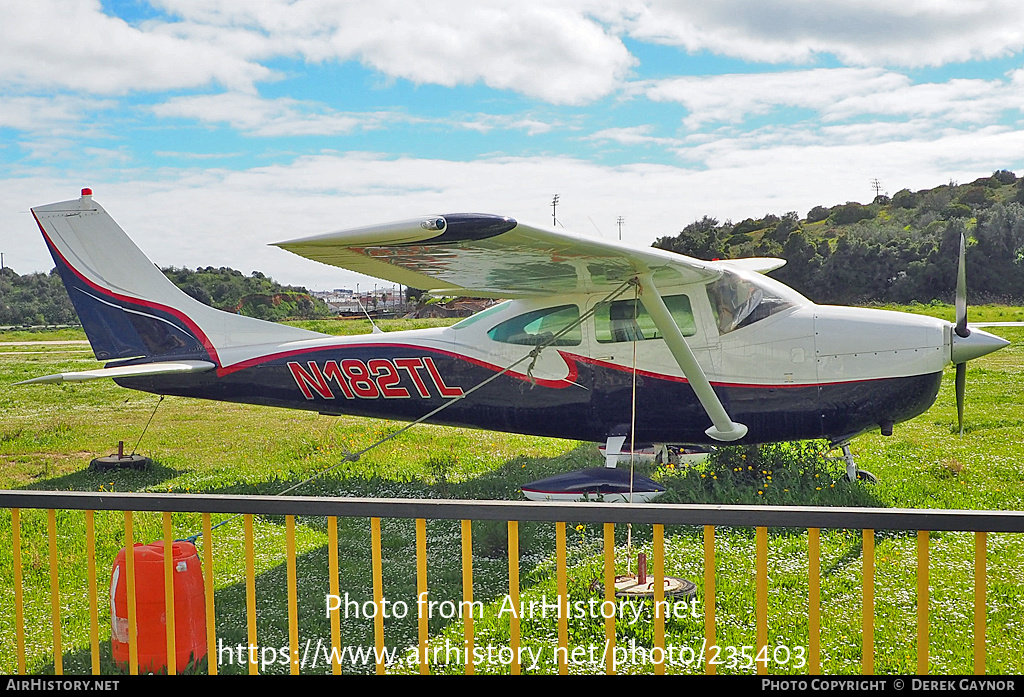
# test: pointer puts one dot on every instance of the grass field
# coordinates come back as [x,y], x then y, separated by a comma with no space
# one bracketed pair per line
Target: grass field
[49,433]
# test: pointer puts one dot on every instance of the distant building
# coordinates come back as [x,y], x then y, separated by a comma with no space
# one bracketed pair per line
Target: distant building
[346,301]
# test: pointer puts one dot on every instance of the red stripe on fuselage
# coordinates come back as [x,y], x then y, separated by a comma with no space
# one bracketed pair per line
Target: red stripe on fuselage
[567,381]
[570,359]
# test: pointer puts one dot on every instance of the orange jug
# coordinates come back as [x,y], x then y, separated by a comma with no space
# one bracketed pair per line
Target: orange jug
[150,615]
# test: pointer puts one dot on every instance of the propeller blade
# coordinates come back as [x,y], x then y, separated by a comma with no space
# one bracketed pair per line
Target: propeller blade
[961,291]
[961,385]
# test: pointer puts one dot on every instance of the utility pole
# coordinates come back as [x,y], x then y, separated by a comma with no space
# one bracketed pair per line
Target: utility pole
[554,205]
[619,222]
[877,186]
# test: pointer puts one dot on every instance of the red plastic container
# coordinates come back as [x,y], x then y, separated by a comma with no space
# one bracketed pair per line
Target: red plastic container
[150,615]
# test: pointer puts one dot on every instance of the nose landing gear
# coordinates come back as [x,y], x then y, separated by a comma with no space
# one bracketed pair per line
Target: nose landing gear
[853,472]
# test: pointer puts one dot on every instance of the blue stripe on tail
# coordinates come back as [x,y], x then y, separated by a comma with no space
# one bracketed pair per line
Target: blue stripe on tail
[121,328]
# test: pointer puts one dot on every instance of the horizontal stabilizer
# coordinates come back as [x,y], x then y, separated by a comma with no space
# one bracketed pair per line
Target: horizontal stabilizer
[125,371]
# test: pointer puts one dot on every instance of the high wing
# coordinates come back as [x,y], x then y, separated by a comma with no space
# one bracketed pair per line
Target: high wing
[489,256]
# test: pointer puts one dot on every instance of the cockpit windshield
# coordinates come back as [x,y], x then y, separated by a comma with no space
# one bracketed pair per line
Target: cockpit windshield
[739,299]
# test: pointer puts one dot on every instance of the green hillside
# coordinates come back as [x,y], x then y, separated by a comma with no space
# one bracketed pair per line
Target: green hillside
[898,249]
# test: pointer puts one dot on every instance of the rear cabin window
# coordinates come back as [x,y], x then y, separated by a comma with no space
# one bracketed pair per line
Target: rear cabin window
[539,326]
[627,320]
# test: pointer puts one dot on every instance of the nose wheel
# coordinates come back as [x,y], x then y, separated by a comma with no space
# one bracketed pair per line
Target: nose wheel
[853,473]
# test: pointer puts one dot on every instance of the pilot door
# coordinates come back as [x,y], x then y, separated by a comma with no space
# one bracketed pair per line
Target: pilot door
[631,363]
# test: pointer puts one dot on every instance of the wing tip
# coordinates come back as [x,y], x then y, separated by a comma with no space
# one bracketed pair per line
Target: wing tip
[758,264]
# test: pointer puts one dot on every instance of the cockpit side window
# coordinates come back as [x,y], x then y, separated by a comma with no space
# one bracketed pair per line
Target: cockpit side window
[738,301]
[627,320]
[536,327]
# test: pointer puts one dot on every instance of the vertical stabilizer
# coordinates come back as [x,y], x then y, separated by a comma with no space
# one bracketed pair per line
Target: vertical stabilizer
[127,306]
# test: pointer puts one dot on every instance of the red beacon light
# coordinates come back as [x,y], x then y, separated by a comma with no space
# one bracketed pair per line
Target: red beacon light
[86,192]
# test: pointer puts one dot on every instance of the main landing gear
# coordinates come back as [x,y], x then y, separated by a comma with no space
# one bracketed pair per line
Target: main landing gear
[853,472]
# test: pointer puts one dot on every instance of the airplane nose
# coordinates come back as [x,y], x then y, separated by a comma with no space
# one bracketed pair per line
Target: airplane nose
[976,344]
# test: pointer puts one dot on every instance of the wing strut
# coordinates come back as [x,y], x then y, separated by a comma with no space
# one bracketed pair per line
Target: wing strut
[724,429]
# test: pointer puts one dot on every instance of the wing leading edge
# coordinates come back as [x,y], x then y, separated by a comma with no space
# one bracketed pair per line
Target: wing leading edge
[491,256]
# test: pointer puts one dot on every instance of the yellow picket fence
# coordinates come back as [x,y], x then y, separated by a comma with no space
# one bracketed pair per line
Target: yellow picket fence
[761,518]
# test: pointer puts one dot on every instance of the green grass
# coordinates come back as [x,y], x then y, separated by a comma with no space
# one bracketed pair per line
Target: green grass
[69,334]
[975,313]
[348,326]
[49,433]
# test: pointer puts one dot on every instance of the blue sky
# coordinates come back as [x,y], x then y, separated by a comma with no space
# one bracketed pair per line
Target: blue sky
[211,128]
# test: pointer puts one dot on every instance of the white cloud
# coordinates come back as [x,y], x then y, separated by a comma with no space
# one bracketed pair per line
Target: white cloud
[193,217]
[960,101]
[554,52]
[735,97]
[564,53]
[855,123]
[196,155]
[268,117]
[284,116]
[836,94]
[74,45]
[53,115]
[633,135]
[861,32]
[485,123]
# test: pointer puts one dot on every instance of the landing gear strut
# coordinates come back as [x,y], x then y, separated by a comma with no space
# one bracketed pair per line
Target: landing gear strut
[853,473]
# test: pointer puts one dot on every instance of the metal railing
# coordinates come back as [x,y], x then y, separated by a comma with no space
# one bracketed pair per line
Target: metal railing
[420,510]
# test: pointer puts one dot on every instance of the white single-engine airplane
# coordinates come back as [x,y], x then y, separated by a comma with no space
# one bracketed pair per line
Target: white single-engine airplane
[719,352]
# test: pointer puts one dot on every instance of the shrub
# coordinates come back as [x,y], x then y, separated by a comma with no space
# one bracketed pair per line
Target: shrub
[1004,176]
[775,474]
[989,182]
[974,196]
[904,198]
[956,210]
[817,213]
[748,225]
[851,213]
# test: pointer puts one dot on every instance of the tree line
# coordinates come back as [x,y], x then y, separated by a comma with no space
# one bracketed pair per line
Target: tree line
[40,298]
[902,248]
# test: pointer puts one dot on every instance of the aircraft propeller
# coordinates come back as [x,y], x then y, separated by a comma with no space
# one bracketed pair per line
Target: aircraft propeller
[961,330]
[967,344]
